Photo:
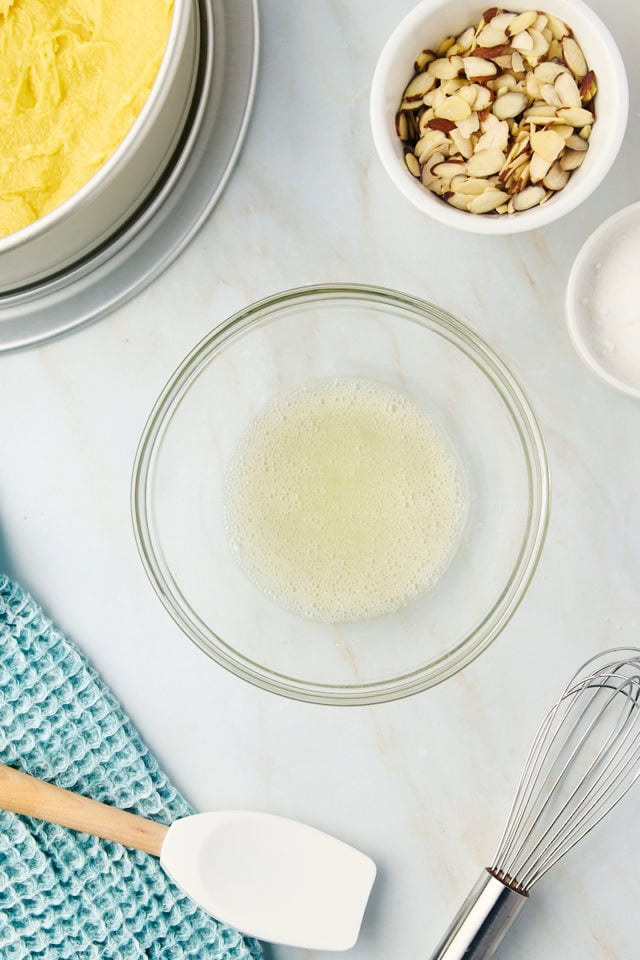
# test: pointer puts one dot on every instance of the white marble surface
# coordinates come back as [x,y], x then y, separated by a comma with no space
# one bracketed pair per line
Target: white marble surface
[423,785]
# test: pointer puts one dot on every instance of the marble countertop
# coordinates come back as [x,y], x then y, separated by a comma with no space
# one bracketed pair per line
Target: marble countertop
[423,785]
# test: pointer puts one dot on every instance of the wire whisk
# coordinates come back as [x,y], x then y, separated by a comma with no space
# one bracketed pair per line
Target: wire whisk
[584,758]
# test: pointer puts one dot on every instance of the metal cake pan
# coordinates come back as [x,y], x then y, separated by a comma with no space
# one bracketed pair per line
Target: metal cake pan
[177,207]
[86,219]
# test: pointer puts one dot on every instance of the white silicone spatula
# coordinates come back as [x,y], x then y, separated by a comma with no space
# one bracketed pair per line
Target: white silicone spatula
[273,878]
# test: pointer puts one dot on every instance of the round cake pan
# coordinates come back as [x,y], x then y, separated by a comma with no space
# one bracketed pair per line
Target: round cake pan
[104,203]
[180,203]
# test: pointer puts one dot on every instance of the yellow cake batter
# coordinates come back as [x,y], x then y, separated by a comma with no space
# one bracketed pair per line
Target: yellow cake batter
[74,75]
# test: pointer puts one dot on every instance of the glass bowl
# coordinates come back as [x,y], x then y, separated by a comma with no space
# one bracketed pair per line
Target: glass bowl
[275,346]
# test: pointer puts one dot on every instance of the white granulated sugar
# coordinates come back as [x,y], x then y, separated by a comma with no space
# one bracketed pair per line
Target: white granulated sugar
[613,304]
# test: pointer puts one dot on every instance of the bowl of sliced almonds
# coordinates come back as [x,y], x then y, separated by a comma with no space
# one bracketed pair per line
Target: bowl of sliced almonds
[501,119]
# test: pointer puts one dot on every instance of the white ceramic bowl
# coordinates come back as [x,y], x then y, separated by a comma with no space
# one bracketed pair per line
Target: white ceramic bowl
[426,26]
[604,355]
[105,202]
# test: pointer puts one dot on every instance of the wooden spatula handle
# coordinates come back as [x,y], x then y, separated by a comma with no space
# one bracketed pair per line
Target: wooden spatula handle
[20,793]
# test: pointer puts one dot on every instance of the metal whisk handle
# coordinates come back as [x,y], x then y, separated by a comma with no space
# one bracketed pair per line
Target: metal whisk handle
[481,922]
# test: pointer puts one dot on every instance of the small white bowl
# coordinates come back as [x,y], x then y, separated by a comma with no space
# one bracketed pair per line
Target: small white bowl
[94,213]
[426,26]
[601,350]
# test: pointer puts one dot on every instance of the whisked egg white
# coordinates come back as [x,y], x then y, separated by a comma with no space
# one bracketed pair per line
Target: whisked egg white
[344,500]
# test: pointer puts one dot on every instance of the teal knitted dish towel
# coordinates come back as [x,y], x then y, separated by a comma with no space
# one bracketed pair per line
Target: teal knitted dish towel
[65,895]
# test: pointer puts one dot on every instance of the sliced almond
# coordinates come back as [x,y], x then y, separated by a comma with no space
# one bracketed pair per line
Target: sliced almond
[428,176]
[423,58]
[402,126]
[476,67]
[468,126]
[487,201]
[411,104]
[468,93]
[540,120]
[449,169]
[446,44]
[548,144]
[511,156]
[444,68]
[428,144]
[567,90]
[556,178]
[522,144]
[466,39]
[547,71]
[452,86]
[412,163]
[472,185]
[564,130]
[575,142]
[439,186]
[495,137]
[503,84]
[574,57]
[523,42]
[576,116]
[558,28]
[555,50]
[541,22]
[420,85]
[540,43]
[509,105]
[514,157]
[517,63]
[453,108]
[502,20]
[572,159]
[425,118]
[488,121]
[459,200]
[588,87]
[522,22]
[539,110]
[532,86]
[434,97]
[462,144]
[483,98]
[494,53]
[550,95]
[485,162]
[522,177]
[439,123]
[504,61]
[539,167]
[491,36]
[529,197]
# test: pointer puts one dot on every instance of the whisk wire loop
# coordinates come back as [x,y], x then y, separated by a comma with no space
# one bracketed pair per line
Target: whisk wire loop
[604,796]
[584,758]
[577,798]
